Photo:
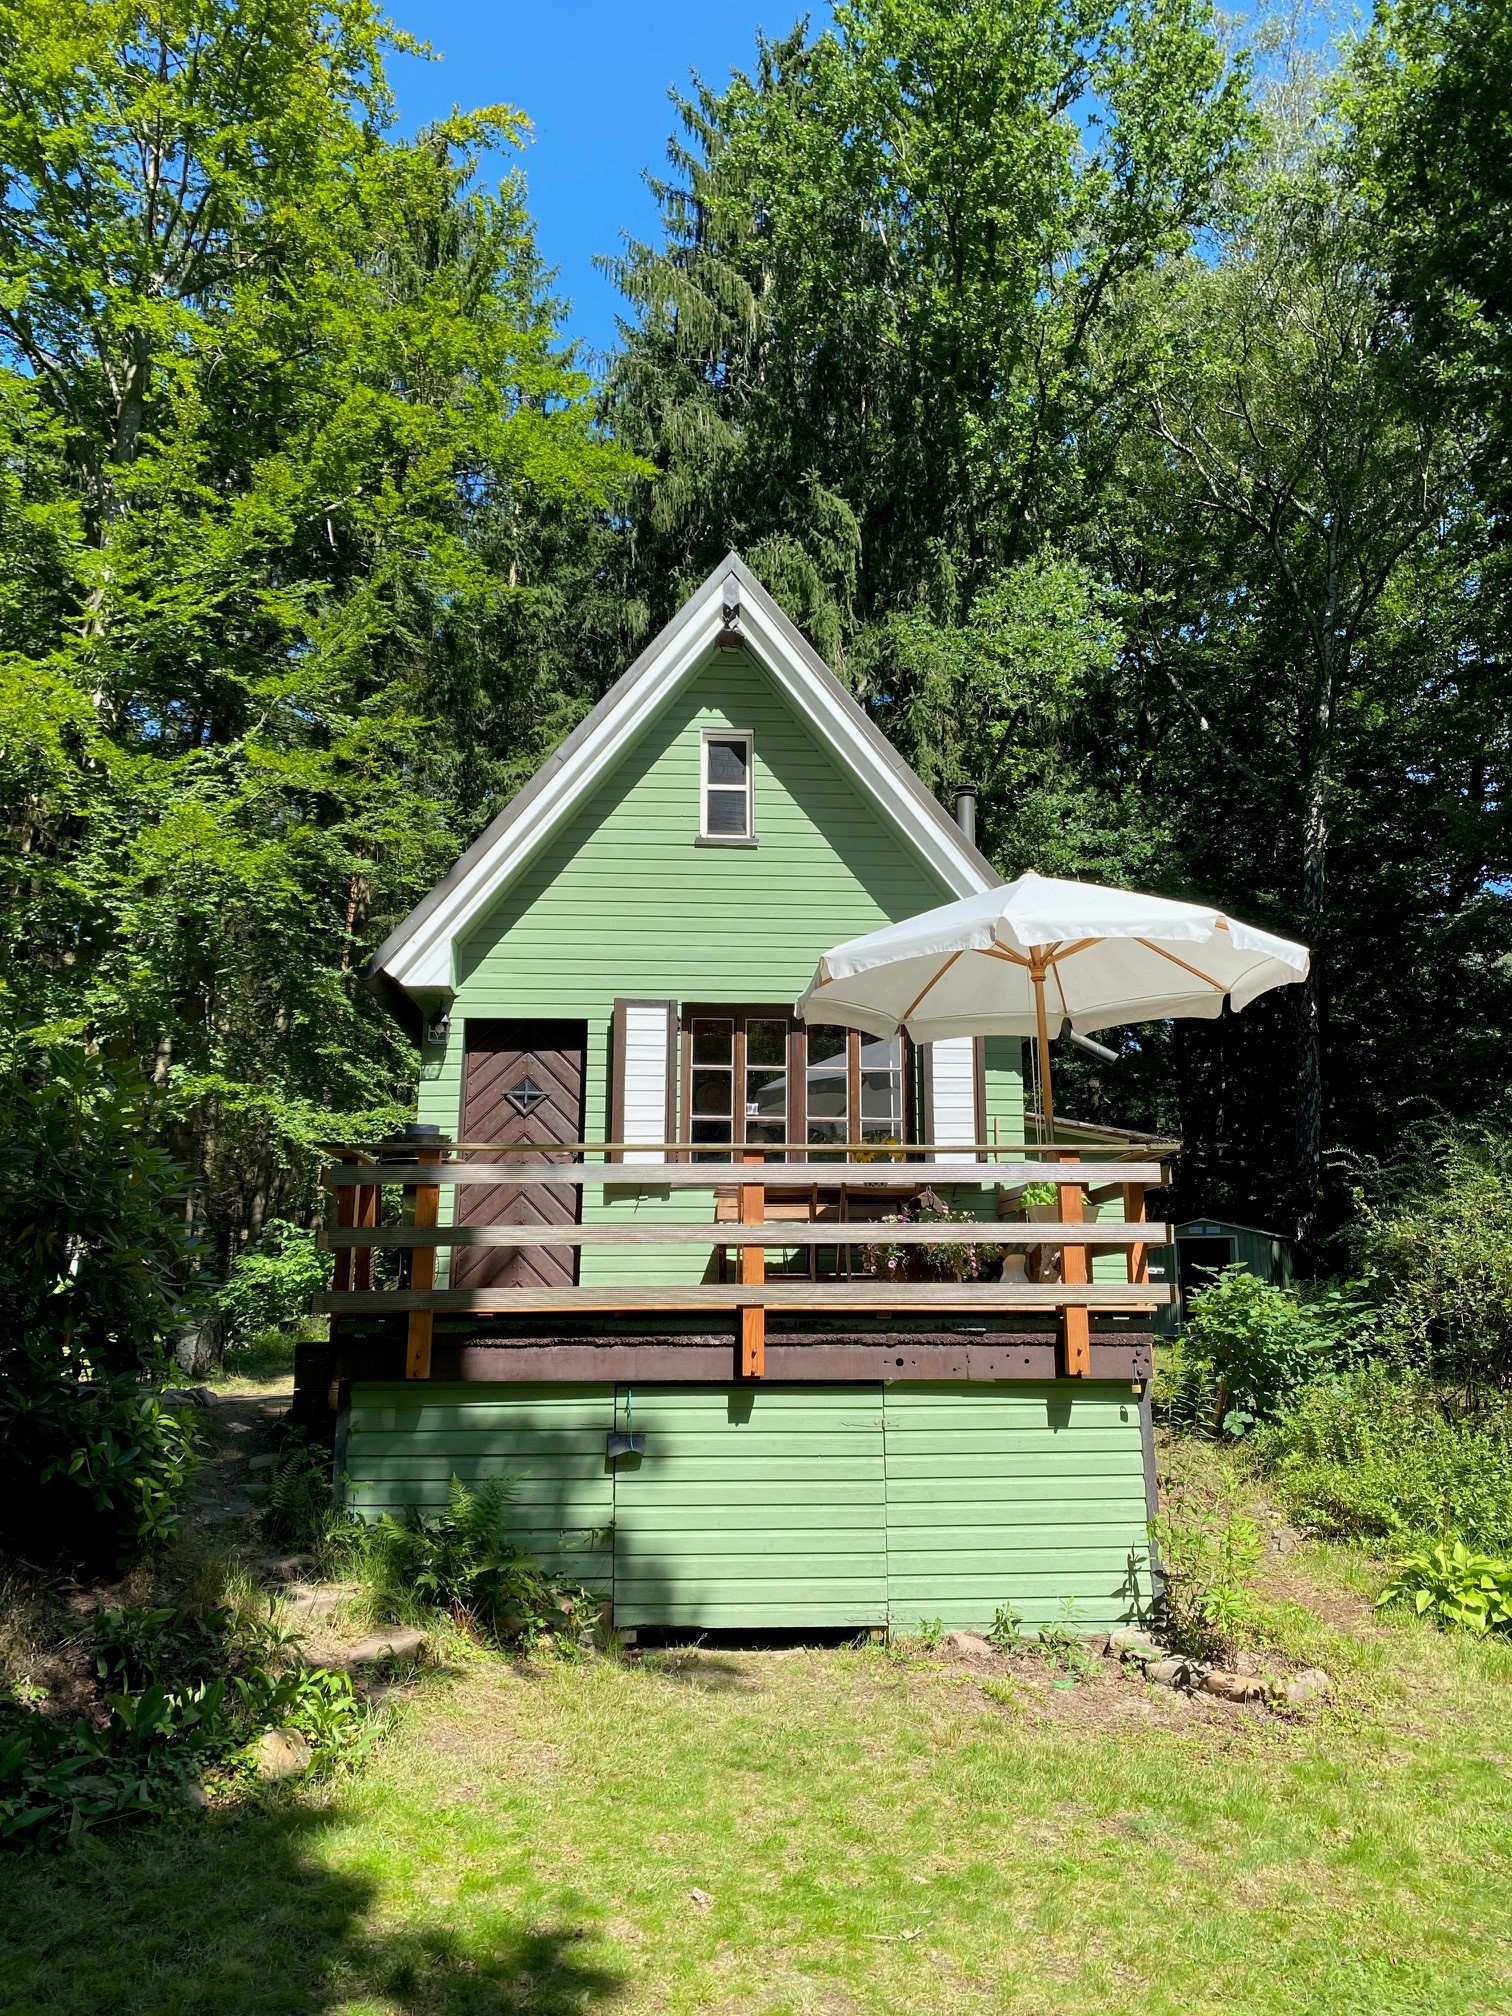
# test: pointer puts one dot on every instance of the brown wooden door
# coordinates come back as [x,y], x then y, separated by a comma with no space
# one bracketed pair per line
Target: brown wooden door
[522,1082]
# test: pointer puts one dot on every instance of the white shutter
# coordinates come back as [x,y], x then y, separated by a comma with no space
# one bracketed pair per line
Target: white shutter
[644,1093]
[952,1092]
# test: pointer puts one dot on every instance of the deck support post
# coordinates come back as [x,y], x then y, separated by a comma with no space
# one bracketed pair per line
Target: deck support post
[346,1219]
[1076,1321]
[751,1272]
[1134,1214]
[426,1212]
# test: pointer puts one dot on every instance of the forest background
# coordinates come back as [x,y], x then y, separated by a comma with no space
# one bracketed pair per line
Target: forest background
[1117,400]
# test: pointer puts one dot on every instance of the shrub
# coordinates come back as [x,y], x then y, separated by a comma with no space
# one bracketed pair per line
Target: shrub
[1252,1348]
[192,1691]
[271,1283]
[1207,1562]
[462,1561]
[94,1266]
[1454,1586]
[1439,1249]
[95,1473]
[1373,1455]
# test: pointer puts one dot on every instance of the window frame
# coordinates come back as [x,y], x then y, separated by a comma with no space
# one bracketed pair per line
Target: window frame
[746,838]
[741,1013]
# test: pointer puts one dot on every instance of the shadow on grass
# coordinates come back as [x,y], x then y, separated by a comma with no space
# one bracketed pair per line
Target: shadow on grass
[244,1918]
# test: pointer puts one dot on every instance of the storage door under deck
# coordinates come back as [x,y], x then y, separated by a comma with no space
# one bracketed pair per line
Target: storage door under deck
[1015,1494]
[405,1442]
[753,1507]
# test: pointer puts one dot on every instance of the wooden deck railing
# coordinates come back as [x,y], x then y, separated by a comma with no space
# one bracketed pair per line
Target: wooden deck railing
[422,1167]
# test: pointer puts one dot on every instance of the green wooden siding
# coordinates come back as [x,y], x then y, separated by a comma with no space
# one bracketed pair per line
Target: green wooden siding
[1032,1495]
[752,1508]
[760,1506]
[405,1444]
[620,901]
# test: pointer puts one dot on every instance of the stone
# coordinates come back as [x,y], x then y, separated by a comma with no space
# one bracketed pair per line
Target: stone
[401,1644]
[196,1796]
[700,1899]
[1302,1688]
[281,1753]
[263,1462]
[1233,1686]
[1175,1672]
[1133,1644]
[969,1645]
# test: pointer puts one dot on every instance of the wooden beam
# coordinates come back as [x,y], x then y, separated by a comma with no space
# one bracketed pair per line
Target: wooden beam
[427,1208]
[752,1273]
[346,1219]
[975,1296]
[888,1175]
[1139,1251]
[1075,1325]
[769,1232]
[369,1199]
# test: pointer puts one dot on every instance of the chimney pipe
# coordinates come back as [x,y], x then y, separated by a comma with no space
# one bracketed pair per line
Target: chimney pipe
[965,810]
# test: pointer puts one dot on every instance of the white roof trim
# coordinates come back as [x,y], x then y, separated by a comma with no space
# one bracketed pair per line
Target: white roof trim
[419,954]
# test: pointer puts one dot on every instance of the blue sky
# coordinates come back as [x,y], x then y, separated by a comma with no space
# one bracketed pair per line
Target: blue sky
[593,78]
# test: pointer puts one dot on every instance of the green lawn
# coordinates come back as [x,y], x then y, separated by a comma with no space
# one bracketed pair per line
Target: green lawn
[869,1831]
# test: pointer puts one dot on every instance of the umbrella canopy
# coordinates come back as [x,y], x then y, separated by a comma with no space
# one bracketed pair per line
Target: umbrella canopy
[1039,952]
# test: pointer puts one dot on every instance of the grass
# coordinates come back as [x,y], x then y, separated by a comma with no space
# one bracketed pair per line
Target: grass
[839,1831]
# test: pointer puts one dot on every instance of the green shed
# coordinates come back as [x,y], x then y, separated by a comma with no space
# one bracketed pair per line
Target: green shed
[1203,1246]
[615,961]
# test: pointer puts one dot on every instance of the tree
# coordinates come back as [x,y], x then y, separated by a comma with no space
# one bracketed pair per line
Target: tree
[304,484]
[875,349]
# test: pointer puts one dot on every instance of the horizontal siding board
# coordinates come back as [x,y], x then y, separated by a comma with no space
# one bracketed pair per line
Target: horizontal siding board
[404,1445]
[758,1506]
[1031,1496]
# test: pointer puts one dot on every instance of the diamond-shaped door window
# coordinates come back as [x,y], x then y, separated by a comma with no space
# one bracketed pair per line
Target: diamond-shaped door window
[525,1096]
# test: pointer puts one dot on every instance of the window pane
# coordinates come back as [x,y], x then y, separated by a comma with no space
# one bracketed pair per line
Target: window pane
[713,1041]
[826,1048]
[727,812]
[824,1132]
[727,763]
[711,1092]
[712,1130]
[766,1095]
[881,1053]
[879,1096]
[826,1096]
[766,1043]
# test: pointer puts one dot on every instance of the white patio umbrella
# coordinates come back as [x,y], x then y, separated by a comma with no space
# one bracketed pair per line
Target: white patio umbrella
[1010,961]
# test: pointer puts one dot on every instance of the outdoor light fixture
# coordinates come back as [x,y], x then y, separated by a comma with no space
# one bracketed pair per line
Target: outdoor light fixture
[617,1443]
[1069,1035]
[437,1032]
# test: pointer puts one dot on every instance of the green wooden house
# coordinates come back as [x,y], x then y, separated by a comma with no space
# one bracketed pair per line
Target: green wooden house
[608,976]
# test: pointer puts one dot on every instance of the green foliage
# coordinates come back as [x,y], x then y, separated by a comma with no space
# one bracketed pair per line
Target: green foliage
[298,1508]
[191,1690]
[1453,1586]
[297,479]
[462,1561]
[272,1280]
[1006,1629]
[1207,1562]
[1438,1246]
[1254,1347]
[951,1260]
[1374,1455]
[931,1633]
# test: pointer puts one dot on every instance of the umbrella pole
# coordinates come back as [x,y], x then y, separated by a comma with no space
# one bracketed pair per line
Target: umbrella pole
[1047,1095]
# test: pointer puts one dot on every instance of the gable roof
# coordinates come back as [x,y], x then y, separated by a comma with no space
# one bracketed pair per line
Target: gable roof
[731,606]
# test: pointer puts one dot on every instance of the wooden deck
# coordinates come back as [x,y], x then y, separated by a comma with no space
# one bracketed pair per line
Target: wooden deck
[864,1322]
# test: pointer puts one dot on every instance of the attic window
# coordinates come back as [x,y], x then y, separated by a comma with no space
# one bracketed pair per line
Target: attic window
[726,786]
